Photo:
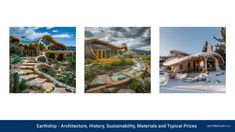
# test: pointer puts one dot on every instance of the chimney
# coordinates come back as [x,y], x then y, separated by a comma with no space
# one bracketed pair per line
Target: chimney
[209,48]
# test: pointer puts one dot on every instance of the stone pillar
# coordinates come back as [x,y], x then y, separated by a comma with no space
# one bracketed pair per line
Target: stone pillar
[176,69]
[110,53]
[198,66]
[217,68]
[191,66]
[185,67]
[97,54]
[105,54]
[205,64]
[101,54]
[56,56]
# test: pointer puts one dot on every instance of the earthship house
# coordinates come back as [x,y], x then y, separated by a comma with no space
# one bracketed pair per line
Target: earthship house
[182,62]
[52,48]
[36,56]
[98,49]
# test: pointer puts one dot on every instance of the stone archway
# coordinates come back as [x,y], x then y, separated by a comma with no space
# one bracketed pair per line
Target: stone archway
[211,65]
[42,58]
[60,57]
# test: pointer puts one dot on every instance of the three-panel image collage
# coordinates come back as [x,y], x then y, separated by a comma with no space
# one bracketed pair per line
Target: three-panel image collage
[117,60]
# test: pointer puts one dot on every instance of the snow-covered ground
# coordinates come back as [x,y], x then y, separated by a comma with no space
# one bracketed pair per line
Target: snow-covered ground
[213,83]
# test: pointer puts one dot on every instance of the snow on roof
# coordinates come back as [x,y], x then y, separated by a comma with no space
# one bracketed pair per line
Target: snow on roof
[175,61]
[178,51]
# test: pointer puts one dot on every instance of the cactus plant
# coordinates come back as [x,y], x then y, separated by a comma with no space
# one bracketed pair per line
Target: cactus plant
[15,82]
[17,86]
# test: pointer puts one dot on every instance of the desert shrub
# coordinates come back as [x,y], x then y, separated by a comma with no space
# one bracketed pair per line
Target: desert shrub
[67,78]
[146,57]
[72,62]
[14,49]
[122,61]
[68,74]
[108,66]
[129,62]
[41,46]
[23,85]
[60,78]
[41,69]
[147,85]
[136,86]
[14,59]
[51,73]
[88,61]
[52,61]
[88,74]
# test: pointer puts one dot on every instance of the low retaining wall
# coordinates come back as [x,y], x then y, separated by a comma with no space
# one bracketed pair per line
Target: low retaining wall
[69,88]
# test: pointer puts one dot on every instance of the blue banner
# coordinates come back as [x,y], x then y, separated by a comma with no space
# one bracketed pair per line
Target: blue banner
[117,125]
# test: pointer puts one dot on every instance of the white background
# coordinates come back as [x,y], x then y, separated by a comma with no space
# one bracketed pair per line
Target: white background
[154,13]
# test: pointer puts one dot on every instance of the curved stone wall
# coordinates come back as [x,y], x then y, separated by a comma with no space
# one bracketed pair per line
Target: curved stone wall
[68,88]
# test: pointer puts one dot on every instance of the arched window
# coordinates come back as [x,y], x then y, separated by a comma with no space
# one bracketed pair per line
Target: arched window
[42,59]
[210,64]
[51,56]
[60,57]
[46,42]
[58,47]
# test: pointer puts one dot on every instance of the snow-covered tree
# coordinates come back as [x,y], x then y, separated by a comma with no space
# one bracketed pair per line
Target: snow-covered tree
[220,47]
[204,49]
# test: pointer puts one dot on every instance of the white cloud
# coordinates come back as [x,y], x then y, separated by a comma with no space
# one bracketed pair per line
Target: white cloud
[49,28]
[55,31]
[146,48]
[35,35]
[62,36]
[29,32]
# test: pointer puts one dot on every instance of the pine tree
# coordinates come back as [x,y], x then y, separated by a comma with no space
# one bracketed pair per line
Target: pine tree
[204,49]
[220,47]
[223,35]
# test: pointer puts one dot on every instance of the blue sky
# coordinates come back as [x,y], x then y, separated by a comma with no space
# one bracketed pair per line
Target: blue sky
[187,39]
[66,35]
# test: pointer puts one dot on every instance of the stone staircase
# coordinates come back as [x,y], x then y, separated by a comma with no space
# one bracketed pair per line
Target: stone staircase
[26,72]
